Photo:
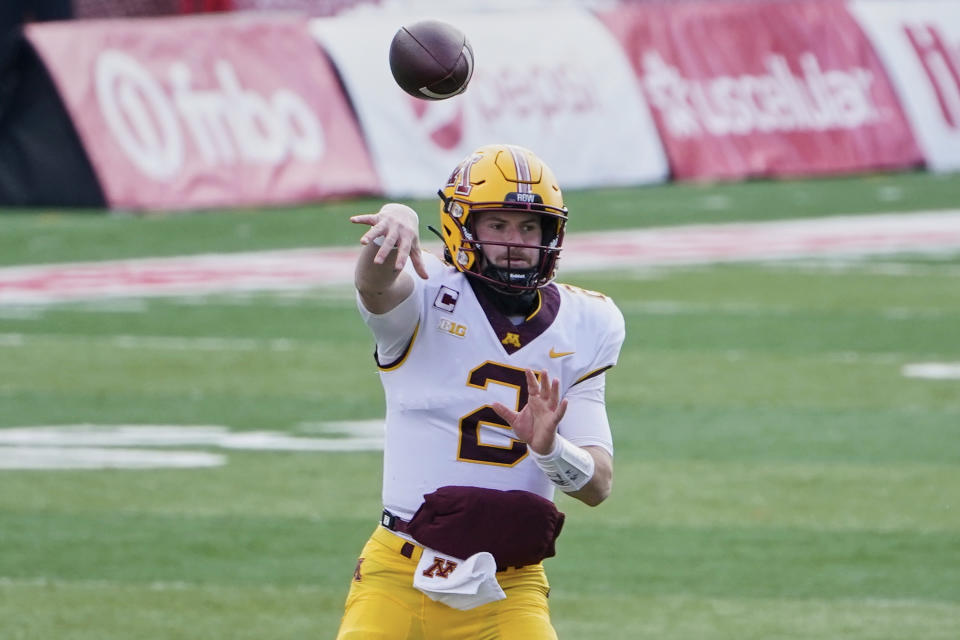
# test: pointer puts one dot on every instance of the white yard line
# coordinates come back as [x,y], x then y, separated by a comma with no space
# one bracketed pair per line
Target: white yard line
[24,457]
[158,343]
[164,343]
[856,266]
[933,370]
[88,446]
[680,307]
[299,269]
[201,587]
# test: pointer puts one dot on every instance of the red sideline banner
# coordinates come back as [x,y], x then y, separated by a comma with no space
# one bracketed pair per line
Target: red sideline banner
[556,82]
[920,44]
[743,89]
[195,112]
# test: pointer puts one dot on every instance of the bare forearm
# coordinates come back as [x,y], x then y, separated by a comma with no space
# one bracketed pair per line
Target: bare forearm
[393,237]
[601,484]
[381,286]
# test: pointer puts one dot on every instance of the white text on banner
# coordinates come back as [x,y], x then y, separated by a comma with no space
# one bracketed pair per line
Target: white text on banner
[919,42]
[557,83]
[195,112]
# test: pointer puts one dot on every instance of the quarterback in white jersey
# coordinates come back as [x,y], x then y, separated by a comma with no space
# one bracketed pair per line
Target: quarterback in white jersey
[461,355]
[494,381]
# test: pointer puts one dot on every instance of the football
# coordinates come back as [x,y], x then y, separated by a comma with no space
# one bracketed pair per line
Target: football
[431,60]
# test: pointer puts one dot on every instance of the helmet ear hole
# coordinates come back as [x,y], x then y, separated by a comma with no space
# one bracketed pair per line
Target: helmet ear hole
[550,231]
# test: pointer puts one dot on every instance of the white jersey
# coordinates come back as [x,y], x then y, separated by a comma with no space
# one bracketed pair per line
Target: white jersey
[463,356]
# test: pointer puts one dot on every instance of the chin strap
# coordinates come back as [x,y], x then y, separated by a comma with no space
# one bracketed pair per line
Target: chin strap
[437,233]
[567,465]
[523,277]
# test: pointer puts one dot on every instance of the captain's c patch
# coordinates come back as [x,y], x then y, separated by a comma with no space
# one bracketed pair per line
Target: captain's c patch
[446,299]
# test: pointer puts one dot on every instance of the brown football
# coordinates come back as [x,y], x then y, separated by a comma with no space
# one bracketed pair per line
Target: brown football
[431,60]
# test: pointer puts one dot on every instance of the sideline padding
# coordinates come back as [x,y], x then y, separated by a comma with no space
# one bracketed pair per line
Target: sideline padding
[764,89]
[249,109]
[556,82]
[919,42]
[224,111]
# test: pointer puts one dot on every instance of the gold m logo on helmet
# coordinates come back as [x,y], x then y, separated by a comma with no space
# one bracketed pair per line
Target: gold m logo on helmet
[441,568]
[511,339]
[460,178]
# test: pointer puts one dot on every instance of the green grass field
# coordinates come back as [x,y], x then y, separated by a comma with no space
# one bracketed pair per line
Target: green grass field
[777,476]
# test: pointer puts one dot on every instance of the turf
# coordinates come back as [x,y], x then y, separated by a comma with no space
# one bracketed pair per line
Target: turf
[777,476]
[64,236]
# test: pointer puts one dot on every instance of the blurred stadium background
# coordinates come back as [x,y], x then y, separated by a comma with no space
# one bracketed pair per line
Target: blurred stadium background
[190,417]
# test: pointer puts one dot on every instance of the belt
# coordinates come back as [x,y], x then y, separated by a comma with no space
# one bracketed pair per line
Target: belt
[402,546]
[394,523]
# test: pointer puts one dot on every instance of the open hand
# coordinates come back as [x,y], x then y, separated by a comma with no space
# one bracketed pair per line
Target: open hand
[395,226]
[536,424]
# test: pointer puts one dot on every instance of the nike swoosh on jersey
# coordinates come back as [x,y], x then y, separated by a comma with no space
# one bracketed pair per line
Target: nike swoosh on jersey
[559,354]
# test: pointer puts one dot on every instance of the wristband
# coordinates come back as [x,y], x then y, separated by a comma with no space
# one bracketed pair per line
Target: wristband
[567,465]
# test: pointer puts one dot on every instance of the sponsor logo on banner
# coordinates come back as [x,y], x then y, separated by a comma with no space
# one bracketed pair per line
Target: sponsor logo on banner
[779,100]
[441,124]
[941,62]
[797,90]
[584,115]
[152,118]
[537,94]
[919,41]
[195,112]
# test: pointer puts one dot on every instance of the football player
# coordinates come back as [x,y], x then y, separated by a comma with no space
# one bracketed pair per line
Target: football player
[494,383]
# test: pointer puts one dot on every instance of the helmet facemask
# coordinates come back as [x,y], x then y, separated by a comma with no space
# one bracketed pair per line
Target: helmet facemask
[512,180]
[506,279]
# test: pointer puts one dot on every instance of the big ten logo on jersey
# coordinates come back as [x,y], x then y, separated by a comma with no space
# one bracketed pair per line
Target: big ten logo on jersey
[446,299]
[453,328]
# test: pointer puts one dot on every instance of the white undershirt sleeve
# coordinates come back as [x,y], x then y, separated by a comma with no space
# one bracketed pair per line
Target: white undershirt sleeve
[585,423]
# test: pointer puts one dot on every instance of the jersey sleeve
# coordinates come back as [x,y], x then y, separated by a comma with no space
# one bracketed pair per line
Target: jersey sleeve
[602,328]
[394,329]
[610,329]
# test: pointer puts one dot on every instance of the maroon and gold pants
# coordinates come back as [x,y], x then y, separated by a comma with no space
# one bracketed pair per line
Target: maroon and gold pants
[384,605]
